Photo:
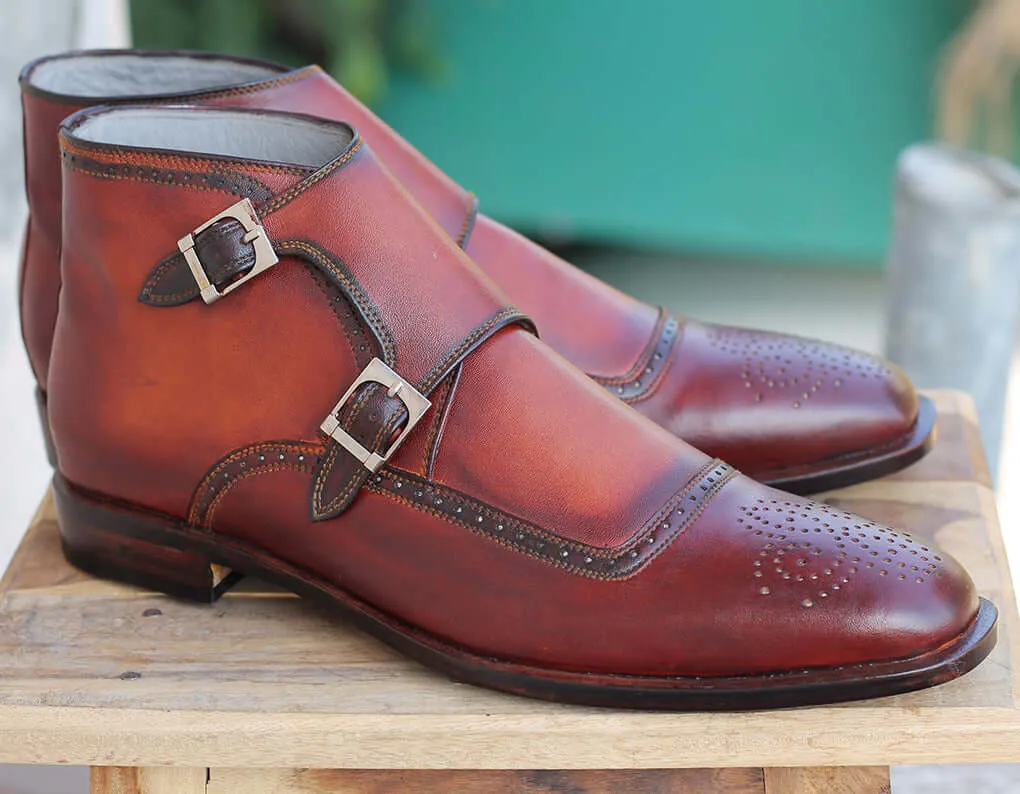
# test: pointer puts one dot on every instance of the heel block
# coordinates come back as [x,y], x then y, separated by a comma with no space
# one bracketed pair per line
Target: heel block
[113,541]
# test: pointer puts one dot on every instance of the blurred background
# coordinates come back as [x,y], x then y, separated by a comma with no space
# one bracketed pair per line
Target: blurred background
[733,160]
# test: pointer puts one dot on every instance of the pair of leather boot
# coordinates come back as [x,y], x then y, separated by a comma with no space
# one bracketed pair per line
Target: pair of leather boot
[272,339]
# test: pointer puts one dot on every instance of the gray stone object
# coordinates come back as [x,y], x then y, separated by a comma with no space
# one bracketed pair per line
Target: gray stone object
[953,276]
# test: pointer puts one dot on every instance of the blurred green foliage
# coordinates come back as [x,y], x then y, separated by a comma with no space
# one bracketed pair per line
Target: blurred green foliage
[360,42]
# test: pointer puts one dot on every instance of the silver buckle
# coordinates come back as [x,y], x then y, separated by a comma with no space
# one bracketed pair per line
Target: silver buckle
[413,400]
[265,257]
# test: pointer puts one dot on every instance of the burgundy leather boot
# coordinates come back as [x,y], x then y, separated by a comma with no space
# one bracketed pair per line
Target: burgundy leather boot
[270,360]
[792,412]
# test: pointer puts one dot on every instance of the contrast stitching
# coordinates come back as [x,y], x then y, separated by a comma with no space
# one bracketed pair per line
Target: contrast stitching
[210,511]
[292,193]
[619,562]
[99,174]
[438,420]
[353,291]
[646,353]
[106,153]
[468,224]
[360,474]
[212,479]
[439,369]
[645,377]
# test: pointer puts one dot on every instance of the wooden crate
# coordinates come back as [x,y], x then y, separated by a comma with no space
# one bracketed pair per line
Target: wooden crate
[263,693]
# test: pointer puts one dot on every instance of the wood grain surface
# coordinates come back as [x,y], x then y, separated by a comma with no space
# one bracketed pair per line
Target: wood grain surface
[97,673]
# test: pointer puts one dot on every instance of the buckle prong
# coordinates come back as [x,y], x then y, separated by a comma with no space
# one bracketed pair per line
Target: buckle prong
[415,402]
[265,257]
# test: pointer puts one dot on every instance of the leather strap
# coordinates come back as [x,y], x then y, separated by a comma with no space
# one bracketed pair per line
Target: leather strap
[426,352]
[224,255]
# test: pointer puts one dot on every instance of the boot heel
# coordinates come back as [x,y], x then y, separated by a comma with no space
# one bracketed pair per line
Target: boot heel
[114,542]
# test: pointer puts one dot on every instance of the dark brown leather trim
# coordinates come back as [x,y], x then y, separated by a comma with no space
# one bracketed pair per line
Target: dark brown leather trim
[594,562]
[644,377]
[170,283]
[441,409]
[358,334]
[375,418]
[336,271]
[618,562]
[243,463]
[468,225]
[227,181]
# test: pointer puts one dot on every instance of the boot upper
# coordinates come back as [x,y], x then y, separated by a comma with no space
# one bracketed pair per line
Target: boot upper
[527,514]
[689,377]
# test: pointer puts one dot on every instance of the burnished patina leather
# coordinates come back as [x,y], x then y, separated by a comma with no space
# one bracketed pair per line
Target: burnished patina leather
[533,532]
[795,412]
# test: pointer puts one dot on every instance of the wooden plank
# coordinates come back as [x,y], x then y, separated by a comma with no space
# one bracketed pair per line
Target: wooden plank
[147,780]
[571,739]
[338,781]
[96,673]
[828,780]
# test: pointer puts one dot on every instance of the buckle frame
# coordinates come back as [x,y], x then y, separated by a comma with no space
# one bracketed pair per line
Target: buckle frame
[265,257]
[415,402]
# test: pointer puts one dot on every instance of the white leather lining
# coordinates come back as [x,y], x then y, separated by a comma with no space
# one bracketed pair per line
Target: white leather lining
[134,75]
[250,136]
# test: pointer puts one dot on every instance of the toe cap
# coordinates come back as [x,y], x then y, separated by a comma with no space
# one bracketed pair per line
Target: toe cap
[770,402]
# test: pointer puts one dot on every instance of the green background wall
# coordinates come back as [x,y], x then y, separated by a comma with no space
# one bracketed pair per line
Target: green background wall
[743,127]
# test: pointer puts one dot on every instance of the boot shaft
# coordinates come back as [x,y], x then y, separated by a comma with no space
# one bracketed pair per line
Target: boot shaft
[55,87]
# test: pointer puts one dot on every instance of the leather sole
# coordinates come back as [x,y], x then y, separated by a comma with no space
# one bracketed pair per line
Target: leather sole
[115,540]
[859,467]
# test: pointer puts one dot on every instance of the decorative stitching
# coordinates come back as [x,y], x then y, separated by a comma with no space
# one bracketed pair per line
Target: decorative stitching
[645,376]
[242,463]
[350,321]
[608,564]
[503,317]
[292,193]
[595,562]
[438,423]
[113,154]
[336,268]
[468,224]
[233,183]
[249,88]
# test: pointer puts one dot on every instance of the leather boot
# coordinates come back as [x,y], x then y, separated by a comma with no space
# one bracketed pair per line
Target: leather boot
[270,360]
[792,412]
